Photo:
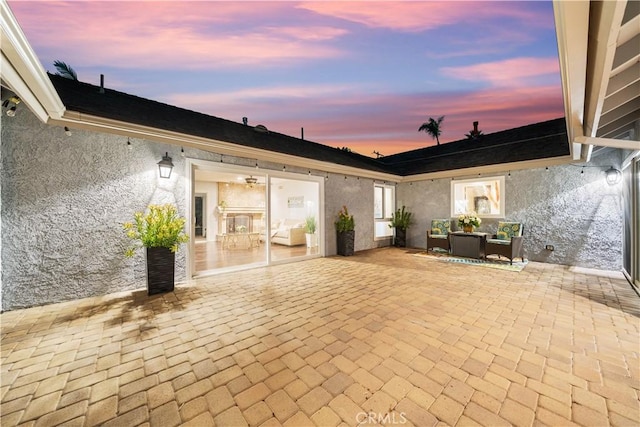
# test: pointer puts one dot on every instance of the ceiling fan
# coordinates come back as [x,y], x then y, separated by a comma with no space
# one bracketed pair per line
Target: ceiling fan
[251,181]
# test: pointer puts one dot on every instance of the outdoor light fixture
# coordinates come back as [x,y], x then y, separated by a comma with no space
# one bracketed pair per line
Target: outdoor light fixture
[613,175]
[165,166]
[10,104]
[67,131]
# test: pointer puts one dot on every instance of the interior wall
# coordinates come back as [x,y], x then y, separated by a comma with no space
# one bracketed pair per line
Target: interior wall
[578,213]
[282,190]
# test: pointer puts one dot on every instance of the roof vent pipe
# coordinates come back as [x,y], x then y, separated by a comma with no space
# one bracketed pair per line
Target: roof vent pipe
[302,134]
[245,121]
[101,83]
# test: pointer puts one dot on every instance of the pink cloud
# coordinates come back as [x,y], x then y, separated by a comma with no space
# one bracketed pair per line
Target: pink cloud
[417,15]
[145,35]
[509,72]
[388,123]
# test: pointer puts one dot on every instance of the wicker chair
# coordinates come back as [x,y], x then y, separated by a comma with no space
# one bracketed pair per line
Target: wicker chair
[438,236]
[507,242]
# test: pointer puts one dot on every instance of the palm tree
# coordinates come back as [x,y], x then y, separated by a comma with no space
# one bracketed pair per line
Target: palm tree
[475,133]
[432,127]
[65,70]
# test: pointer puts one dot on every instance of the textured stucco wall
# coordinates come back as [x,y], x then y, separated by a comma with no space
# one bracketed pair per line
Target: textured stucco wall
[357,195]
[580,214]
[64,200]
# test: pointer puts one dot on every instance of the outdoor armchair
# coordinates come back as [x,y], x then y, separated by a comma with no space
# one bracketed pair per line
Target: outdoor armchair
[507,241]
[438,235]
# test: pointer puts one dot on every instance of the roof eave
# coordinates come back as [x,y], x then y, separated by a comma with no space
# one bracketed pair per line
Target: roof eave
[572,31]
[22,71]
[89,122]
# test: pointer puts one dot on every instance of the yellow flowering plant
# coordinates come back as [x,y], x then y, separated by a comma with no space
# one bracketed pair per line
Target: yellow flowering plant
[160,227]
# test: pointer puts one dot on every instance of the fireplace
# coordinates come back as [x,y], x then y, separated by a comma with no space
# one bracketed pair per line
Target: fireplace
[239,222]
[249,220]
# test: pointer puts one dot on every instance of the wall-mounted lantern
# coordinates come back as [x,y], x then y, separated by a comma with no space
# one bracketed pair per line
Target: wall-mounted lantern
[165,166]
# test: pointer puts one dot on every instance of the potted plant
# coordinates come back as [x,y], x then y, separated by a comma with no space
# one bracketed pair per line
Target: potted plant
[310,227]
[345,227]
[160,231]
[400,220]
[468,221]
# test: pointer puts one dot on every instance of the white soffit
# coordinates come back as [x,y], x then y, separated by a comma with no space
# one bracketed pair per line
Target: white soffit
[572,30]
[22,72]
[610,87]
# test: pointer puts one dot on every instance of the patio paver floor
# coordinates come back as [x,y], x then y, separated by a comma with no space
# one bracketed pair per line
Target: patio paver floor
[382,337]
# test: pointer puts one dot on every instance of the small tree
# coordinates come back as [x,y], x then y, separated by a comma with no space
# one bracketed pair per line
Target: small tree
[432,127]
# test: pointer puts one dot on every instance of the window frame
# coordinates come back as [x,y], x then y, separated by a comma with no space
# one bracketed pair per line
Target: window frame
[385,211]
[465,188]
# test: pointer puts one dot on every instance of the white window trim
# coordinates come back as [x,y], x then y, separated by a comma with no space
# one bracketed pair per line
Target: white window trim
[384,220]
[460,184]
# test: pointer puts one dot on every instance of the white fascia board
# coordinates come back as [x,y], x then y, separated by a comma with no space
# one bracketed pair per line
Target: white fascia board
[24,72]
[572,31]
[491,169]
[78,120]
[12,79]
[625,144]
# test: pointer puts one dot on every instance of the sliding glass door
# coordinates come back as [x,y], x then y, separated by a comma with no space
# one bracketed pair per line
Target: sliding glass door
[243,217]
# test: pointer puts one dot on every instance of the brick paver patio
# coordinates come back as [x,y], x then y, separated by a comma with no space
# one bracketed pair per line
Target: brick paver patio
[382,337]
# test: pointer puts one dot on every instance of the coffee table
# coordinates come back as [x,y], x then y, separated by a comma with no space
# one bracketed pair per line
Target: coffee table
[469,245]
[241,240]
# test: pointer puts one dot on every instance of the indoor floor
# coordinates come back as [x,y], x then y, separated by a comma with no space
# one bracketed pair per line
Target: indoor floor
[382,337]
[212,255]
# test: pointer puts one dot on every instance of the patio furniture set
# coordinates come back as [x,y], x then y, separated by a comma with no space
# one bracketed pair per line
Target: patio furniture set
[507,242]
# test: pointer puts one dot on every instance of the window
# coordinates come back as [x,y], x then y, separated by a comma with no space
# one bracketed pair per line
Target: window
[484,196]
[383,203]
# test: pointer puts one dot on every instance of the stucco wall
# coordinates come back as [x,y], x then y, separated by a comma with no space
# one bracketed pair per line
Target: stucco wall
[357,195]
[578,213]
[64,199]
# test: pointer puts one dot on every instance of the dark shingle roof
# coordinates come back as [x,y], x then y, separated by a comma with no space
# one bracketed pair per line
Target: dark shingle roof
[537,141]
[86,98]
[531,142]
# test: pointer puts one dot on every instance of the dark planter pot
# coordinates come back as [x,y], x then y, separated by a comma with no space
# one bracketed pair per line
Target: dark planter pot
[160,270]
[346,242]
[401,238]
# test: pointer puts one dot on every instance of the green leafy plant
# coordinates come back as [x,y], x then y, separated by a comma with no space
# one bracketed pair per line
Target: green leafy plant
[470,218]
[160,227]
[345,221]
[401,219]
[310,224]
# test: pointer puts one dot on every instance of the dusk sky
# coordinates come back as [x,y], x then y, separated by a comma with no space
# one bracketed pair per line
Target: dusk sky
[364,75]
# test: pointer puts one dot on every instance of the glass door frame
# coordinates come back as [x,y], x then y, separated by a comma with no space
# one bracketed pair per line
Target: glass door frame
[191,165]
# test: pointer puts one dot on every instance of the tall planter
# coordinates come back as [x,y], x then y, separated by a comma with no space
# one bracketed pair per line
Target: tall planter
[346,242]
[160,270]
[401,237]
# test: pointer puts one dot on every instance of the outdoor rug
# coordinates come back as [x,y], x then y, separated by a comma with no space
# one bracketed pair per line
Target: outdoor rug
[489,263]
